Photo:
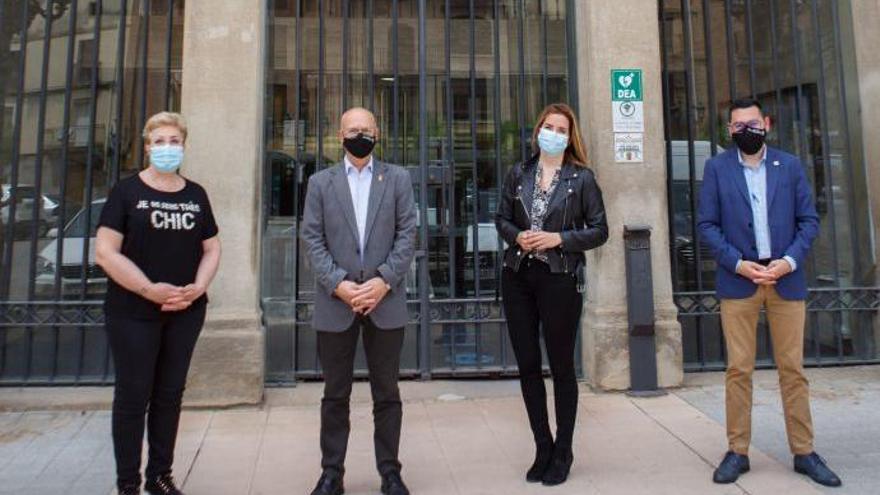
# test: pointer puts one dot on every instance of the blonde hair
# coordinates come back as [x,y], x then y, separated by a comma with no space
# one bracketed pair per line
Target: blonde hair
[163,119]
[576,151]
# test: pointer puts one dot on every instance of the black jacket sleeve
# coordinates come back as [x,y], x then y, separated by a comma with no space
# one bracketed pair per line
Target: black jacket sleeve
[504,217]
[594,232]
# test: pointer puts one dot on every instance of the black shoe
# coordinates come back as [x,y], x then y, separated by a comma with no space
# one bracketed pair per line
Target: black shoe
[162,485]
[330,483]
[543,455]
[392,484]
[560,465]
[731,467]
[814,466]
[128,490]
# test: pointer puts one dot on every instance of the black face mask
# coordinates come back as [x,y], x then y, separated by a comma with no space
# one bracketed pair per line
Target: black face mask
[750,140]
[360,145]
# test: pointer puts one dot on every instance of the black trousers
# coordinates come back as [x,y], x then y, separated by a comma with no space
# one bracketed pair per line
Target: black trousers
[537,301]
[336,352]
[152,359]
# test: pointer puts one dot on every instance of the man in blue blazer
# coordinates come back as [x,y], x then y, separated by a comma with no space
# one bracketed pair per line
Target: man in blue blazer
[757,215]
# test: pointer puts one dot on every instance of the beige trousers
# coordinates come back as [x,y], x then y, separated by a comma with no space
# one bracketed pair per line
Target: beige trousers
[739,319]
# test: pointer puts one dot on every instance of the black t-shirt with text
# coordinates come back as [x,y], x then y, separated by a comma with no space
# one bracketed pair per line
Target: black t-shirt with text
[162,235]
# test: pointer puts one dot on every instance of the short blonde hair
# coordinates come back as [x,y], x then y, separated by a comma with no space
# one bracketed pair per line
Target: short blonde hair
[163,119]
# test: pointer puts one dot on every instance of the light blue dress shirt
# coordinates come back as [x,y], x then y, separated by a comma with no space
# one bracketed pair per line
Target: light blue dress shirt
[756,181]
[359,184]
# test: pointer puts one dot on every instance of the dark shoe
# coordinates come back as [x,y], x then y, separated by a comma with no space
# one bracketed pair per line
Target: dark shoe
[814,466]
[392,484]
[731,467]
[543,455]
[560,465]
[330,483]
[128,490]
[162,485]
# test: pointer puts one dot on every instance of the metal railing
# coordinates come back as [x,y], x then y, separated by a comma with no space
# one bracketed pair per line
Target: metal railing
[788,55]
[442,98]
[74,133]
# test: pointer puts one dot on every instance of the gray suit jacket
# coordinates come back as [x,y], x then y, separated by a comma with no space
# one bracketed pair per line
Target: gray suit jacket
[330,233]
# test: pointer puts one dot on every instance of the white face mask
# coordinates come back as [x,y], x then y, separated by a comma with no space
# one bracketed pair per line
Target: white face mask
[166,158]
[551,142]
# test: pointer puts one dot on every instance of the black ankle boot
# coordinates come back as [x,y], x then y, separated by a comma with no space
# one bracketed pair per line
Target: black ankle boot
[162,485]
[543,455]
[128,490]
[560,465]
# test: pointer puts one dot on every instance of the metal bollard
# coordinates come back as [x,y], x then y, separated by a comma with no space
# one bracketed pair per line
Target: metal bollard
[640,311]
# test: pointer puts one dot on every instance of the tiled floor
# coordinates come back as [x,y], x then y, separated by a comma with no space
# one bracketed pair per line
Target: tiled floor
[465,438]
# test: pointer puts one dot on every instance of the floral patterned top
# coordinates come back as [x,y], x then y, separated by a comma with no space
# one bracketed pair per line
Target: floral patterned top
[540,204]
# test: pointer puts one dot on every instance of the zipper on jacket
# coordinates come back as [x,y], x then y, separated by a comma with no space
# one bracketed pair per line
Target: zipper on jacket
[519,256]
[564,217]
[523,203]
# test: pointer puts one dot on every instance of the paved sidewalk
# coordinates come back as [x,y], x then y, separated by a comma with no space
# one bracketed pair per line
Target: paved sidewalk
[846,419]
[465,437]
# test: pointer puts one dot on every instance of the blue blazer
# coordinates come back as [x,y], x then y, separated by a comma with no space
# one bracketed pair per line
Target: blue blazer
[724,221]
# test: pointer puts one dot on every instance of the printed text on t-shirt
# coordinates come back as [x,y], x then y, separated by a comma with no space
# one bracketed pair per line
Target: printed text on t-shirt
[171,216]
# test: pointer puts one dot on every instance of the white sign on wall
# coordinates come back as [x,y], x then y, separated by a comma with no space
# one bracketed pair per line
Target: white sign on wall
[628,115]
[629,147]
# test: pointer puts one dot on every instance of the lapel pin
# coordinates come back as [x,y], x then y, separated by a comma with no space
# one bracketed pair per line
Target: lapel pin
[775,163]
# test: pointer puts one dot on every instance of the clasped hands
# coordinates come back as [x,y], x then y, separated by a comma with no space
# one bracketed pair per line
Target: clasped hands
[764,275]
[362,298]
[172,297]
[538,240]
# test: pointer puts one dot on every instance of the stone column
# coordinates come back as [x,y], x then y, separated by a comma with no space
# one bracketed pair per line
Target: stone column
[223,103]
[624,34]
[865,14]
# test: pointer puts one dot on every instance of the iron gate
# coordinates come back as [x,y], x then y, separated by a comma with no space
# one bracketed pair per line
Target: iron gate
[78,79]
[792,56]
[456,86]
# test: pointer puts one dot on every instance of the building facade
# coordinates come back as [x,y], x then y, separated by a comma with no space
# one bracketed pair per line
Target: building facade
[456,86]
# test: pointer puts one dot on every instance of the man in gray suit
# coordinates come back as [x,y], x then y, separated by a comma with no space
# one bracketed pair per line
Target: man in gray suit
[359,228]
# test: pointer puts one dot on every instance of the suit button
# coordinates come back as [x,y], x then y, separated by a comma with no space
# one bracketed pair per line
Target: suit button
[750,224]
[754,248]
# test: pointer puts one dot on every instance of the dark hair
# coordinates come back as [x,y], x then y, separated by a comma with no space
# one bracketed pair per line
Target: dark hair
[742,104]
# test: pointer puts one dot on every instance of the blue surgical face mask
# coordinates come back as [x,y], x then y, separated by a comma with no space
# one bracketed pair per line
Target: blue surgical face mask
[166,158]
[552,142]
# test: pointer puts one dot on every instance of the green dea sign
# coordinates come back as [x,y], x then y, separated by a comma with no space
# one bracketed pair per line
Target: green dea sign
[626,85]
[627,106]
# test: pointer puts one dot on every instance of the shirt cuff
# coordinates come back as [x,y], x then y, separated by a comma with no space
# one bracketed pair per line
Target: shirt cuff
[791,262]
[736,268]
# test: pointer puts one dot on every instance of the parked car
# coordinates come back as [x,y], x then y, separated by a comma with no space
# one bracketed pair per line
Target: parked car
[24,210]
[72,258]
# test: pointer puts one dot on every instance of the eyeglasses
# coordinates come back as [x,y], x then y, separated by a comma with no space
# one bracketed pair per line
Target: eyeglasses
[740,126]
[353,132]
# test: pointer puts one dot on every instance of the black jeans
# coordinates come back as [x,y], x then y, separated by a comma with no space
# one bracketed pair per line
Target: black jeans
[537,301]
[336,352]
[152,359]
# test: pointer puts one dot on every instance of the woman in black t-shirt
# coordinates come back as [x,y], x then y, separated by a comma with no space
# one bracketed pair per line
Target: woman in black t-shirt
[157,241]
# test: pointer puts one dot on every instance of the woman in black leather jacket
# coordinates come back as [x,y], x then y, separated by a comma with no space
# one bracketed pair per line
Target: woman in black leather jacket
[551,211]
